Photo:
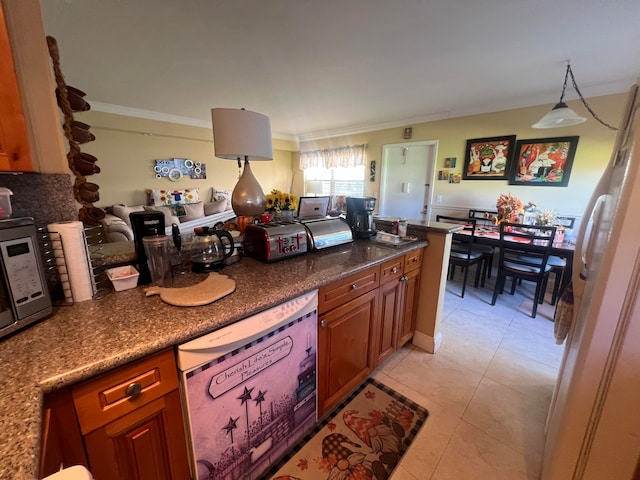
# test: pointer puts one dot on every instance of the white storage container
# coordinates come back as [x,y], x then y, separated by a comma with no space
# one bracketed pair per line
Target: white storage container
[5,202]
[123,278]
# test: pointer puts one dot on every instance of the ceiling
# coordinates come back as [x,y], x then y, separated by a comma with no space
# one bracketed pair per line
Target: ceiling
[329,67]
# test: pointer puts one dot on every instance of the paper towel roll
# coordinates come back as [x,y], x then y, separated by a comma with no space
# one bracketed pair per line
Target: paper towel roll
[72,258]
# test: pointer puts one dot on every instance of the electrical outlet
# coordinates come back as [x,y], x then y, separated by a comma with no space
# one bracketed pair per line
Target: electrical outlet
[438,198]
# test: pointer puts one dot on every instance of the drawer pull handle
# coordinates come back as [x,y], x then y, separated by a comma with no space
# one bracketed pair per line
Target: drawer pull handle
[134,390]
[323,324]
[354,286]
[394,270]
[404,278]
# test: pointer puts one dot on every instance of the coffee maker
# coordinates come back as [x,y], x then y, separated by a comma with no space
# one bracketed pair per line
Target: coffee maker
[360,216]
[145,224]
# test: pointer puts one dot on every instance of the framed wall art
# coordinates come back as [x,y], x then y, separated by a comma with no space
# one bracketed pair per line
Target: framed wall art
[543,161]
[488,158]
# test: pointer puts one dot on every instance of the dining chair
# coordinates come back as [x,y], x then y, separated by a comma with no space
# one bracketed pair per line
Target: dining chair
[463,253]
[566,222]
[559,264]
[485,217]
[523,255]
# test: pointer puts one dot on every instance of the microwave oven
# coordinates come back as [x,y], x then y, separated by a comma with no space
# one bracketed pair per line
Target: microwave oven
[24,295]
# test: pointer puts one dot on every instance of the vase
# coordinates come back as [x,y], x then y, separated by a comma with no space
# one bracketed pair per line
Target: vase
[283,216]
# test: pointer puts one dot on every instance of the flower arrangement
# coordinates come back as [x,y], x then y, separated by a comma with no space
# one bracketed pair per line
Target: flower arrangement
[547,218]
[509,208]
[278,201]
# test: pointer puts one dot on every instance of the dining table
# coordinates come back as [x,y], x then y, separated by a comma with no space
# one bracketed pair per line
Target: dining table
[490,235]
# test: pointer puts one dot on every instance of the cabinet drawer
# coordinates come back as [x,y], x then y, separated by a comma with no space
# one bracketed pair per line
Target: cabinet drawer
[391,269]
[122,390]
[413,260]
[342,291]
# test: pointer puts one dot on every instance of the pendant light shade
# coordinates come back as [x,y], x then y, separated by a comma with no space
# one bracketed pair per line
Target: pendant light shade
[241,134]
[563,116]
[560,116]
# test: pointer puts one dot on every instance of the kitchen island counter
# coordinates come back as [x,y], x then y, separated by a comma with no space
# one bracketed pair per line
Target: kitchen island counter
[83,340]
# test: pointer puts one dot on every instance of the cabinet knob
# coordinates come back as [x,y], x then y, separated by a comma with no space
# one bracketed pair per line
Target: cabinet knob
[134,390]
[354,286]
[394,270]
[323,323]
[404,278]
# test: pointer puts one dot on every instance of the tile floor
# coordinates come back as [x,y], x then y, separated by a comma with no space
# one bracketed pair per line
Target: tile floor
[487,388]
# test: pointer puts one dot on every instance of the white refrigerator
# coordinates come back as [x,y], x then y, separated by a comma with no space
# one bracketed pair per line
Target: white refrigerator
[593,427]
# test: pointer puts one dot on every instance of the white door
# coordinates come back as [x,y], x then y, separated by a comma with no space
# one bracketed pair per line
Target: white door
[407,178]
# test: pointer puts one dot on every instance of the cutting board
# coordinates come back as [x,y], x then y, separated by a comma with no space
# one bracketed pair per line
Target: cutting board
[208,291]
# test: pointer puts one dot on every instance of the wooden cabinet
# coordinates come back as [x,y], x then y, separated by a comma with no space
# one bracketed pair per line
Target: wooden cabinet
[409,311]
[390,298]
[130,421]
[398,303]
[15,155]
[362,320]
[346,324]
[62,444]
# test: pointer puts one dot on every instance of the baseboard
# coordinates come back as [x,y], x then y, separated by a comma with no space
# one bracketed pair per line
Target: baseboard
[427,342]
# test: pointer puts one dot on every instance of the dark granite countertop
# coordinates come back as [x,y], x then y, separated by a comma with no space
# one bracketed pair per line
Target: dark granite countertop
[417,227]
[80,341]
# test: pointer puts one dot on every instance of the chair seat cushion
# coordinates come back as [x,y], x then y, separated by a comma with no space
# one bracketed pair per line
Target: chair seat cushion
[556,261]
[463,255]
[516,267]
[552,261]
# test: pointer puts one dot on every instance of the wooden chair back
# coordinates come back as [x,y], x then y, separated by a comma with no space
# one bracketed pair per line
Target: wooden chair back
[525,246]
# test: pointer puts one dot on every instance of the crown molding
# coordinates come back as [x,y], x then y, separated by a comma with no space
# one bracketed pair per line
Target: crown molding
[621,86]
[165,117]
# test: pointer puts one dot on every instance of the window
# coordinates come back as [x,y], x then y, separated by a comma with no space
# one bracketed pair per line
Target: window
[334,171]
[335,181]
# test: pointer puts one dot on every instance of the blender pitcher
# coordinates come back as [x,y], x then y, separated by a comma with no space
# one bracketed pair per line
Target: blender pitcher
[157,250]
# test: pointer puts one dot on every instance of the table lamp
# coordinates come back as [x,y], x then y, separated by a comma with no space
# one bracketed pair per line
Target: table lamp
[239,134]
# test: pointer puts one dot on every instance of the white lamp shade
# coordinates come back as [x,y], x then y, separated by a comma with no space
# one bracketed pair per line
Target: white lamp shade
[560,116]
[314,187]
[241,134]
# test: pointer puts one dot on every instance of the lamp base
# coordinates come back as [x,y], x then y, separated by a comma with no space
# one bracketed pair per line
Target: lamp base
[247,198]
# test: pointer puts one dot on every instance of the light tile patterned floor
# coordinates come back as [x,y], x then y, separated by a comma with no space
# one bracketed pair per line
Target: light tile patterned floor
[487,388]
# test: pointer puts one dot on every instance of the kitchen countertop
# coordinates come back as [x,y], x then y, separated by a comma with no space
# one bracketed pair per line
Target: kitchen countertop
[416,227]
[83,340]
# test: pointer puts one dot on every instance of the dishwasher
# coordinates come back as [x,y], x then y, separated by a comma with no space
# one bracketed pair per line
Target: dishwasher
[249,390]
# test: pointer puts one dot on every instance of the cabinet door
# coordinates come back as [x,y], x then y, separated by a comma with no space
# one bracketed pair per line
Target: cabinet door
[14,143]
[407,323]
[345,348]
[147,444]
[61,438]
[389,313]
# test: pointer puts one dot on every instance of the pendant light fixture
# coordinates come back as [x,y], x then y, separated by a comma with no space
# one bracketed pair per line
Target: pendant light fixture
[237,135]
[561,115]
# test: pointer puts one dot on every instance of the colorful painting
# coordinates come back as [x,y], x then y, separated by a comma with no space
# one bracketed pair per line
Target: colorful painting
[175,168]
[488,158]
[543,161]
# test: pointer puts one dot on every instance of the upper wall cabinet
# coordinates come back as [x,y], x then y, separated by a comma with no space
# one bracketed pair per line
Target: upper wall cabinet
[15,155]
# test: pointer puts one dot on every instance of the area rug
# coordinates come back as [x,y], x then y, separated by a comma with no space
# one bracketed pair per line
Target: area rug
[363,438]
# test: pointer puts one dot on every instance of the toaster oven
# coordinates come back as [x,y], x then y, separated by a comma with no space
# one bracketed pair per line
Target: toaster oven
[24,295]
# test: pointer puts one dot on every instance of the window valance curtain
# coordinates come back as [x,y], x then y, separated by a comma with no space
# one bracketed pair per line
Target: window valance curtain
[349,156]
